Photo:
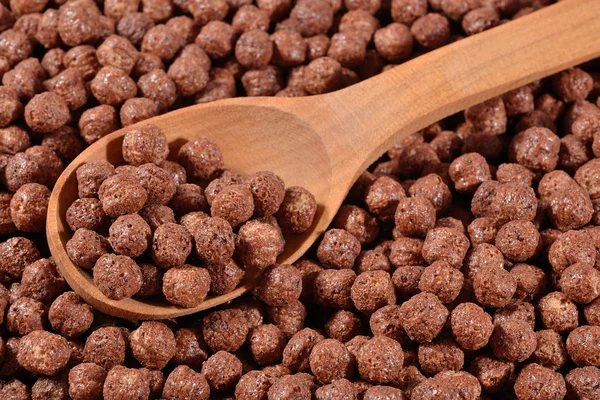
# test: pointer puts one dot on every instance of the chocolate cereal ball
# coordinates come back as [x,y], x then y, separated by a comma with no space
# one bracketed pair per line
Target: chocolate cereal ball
[290,387]
[254,49]
[558,313]
[469,171]
[268,191]
[201,158]
[494,287]
[513,340]
[279,285]
[332,288]
[186,285]
[188,198]
[15,254]
[423,317]
[536,381]
[171,245]
[46,112]
[234,203]
[387,321]
[266,343]
[86,381]
[581,283]
[86,247]
[145,144]
[190,348]
[42,352]
[442,354]
[125,383]
[152,344]
[156,215]
[582,346]
[298,209]
[21,169]
[338,249]
[372,290]
[338,389]
[313,17]
[394,42]
[97,122]
[70,315]
[113,86]
[121,194]
[445,244]
[550,351]
[357,222]
[518,240]
[471,326]
[322,75]
[25,315]
[414,216]
[222,371]
[441,279]
[28,207]
[297,351]
[569,248]
[380,360]
[184,382]
[225,330]
[41,281]
[343,326]
[117,277]
[130,235]
[13,139]
[106,347]
[536,148]
[289,318]
[330,360]
[214,239]
[581,382]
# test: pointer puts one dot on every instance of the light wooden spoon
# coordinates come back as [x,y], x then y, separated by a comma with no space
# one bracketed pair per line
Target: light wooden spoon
[324,142]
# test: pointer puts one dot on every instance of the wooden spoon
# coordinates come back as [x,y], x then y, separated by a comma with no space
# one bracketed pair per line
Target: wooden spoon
[324,142]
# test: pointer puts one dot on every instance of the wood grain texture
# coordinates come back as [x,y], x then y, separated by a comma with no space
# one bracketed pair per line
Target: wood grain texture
[324,142]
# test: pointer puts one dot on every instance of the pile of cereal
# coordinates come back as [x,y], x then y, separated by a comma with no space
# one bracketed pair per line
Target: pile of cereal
[463,265]
[135,225]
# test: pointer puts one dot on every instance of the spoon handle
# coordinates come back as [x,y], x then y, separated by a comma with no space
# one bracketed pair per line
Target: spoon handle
[377,112]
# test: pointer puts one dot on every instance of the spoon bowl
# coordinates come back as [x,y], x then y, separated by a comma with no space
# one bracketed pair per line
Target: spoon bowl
[324,142]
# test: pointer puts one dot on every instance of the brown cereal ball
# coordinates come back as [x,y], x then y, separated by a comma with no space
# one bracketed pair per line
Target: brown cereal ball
[7,227]
[581,382]
[586,177]
[289,387]
[364,25]
[200,158]
[332,288]
[117,51]
[188,79]
[569,248]
[65,142]
[28,207]
[479,20]
[431,31]
[482,230]
[156,215]
[46,112]
[145,144]
[12,110]
[265,81]
[338,389]
[513,340]
[222,371]
[25,315]
[372,290]
[280,285]
[214,239]
[275,9]
[493,374]
[158,10]
[558,313]
[86,381]
[266,343]
[41,281]
[217,39]
[86,247]
[185,27]
[152,278]
[84,59]
[259,244]
[186,285]
[518,240]
[158,87]
[47,158]
[289,48]
[570,209]
[440,355]
[152,344]
[441,279]
[117,9]
[113,86]
[161,41]
[407,11]
[357,222]
[380,360]
[70,316]
[469,171]
[348,48]
[190,348]
[23,168]
[316,47]
[581,283]
[516,310]
[106,347]
[514,173]
[249,17]
[15,390]
[536,381]
[147,63]
[234,203]
[445,244]
[471,326]
[184,382]
[97,122]
[514,201]
[50,387]
[406,280]
[188,198]
[130,235]
[406,251]
[387,321]
[15,46]
[338,249]
[494,287]
[343,326]
[220,86]
[519,101]
[158,183]
[488,117]
[423,317]
[550,351]
[322,75]
[581,345]
[297,351]
[536,148]
[254,49]
[225,330]
[136,110]
[42,352]
[13,139]
[15,254]
[268,191]
[394,42]
[133,26]
[572,85]
[432,188]
[415,216]
[371,260]
[531,282]
[330,360]
[178,172]
[117,277]
[482,256]
[121,195]
[313,17]
[125,383]
[573,153]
